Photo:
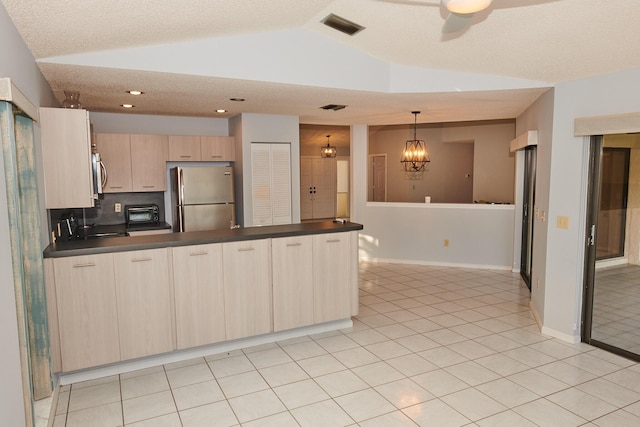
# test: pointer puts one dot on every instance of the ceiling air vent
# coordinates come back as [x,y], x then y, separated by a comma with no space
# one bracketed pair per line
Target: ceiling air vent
[342,25]
[334,107]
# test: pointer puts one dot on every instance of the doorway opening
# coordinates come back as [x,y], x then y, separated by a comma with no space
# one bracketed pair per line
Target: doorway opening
[529,198]
[377,178]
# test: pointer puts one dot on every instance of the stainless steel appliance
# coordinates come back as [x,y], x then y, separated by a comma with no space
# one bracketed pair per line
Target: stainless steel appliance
[142,214]
[99,172]
[202,198]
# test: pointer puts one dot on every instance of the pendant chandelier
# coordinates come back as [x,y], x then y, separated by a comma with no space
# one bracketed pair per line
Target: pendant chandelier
[329,150]
[415,156]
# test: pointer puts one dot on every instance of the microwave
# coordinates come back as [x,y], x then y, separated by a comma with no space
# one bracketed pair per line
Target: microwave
[142,214]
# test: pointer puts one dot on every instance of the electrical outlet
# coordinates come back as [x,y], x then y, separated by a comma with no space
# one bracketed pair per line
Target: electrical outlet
[118,207]
[543,216]
[446,243]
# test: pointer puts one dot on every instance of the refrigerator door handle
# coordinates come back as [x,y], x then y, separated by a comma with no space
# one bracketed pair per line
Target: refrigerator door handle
[181,218]
[180,187]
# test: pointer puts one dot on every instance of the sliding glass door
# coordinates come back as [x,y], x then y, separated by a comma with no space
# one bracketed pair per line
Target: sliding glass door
[529,197]
[612,293]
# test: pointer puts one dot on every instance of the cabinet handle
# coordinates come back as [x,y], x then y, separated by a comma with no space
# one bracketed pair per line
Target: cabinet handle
[148,186]
[333,240]
[86,264]
[215,157]
[294,244]
[244,249]
[185,157]
[198,253]
[113,186]
[140,259]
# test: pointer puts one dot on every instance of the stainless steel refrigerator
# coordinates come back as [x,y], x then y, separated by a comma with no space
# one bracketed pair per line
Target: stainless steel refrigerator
[202,198]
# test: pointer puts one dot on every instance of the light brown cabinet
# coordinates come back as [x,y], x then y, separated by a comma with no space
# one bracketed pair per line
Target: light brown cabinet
[191,148]
[293,302]
[217,148]
[184,148]
[199,295]
[247,288]
[118,306]
[134,163]
[87,311]
[312,279]
[332,277]
[66,152]
[143,291]
[149,155]
[115,152]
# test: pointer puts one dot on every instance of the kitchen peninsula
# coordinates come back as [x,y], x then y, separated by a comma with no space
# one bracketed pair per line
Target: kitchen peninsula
[138,298]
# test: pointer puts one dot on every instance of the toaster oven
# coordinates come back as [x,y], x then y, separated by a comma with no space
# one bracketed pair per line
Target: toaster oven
[142,214]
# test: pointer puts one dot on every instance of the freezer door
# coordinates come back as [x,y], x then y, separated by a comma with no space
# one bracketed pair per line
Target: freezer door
[207,217]
[204,185]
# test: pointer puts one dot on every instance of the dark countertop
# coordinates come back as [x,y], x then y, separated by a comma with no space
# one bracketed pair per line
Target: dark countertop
[136,243]
[146,227]
[91,231]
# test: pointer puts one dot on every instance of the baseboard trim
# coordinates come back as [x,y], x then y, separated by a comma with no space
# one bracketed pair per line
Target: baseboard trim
[572,339]
[191,353]
[436,263]
[536,315]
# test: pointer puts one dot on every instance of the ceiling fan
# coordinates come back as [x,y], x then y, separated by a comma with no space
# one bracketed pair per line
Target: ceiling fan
[461,12]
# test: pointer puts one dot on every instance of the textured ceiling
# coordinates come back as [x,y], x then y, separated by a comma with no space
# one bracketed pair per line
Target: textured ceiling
[544,41]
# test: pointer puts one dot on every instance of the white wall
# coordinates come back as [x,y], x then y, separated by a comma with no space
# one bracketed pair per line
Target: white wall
[17,63]
[558,258]
[479,236]
[602,95]
[539,116]
[161,125]
[268,128]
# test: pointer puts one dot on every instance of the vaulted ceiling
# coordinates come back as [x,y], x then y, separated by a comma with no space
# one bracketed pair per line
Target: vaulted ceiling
[191,57]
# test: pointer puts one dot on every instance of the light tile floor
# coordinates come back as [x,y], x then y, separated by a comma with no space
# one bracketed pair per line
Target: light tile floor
[616,307]
[432,346]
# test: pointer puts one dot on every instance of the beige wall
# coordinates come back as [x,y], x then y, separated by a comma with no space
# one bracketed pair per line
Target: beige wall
[479,149]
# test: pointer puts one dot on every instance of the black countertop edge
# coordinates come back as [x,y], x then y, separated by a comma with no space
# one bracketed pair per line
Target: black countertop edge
[136,243]
[147,227]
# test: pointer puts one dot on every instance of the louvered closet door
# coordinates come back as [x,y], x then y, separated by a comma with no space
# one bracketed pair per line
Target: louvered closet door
[281,183]
[271,183]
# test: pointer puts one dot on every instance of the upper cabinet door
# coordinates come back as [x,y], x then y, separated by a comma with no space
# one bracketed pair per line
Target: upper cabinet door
[115,152]
[184,148]
[217,148]
[66,151]
[149,155]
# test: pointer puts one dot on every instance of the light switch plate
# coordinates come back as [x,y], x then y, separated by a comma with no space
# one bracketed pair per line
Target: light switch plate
[562,222]
[118,207]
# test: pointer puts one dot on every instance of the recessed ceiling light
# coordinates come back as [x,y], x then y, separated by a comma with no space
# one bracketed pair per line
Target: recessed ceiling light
[237,99]
[127,105]
[221,111]
[135,92]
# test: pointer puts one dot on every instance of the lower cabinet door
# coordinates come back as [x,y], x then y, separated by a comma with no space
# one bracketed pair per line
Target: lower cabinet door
[199,295]
[332,276]
[247,288]
[292,282]
[87,313]
[144,302]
